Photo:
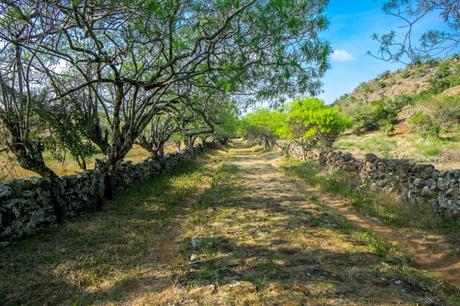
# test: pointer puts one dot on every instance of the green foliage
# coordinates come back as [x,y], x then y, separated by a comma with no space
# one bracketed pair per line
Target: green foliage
[228,124]
[66,132]
[447,111]
[305,120]
[311,122]
[265,126]
[446,77]
[379,115]
[424,124]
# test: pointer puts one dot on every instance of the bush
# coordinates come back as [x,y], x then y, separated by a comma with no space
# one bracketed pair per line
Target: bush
[380,115]
[311,122]
[424,125]
[447,111]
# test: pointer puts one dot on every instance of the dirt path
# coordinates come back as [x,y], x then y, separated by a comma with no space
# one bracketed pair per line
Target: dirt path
[257,239]
[431,252]
[240,234]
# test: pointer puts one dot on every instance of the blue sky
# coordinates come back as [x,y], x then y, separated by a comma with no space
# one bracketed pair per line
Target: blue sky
[352,24]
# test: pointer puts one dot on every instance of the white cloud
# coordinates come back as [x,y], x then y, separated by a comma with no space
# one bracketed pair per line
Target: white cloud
[341,55]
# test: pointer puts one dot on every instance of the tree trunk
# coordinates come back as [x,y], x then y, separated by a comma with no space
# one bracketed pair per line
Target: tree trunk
[30,157]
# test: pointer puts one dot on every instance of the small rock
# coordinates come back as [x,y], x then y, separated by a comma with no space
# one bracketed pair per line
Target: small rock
[398,282]
[426,191]
[193,257]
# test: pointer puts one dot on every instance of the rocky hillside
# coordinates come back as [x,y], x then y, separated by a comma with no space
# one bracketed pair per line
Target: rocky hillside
[412,113]
[409,81]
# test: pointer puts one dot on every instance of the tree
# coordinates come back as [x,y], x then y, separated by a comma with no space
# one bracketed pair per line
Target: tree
[157,133]
[18,90]
[228,122]
[265,126]
[312,123]
[124,60]
[431,44]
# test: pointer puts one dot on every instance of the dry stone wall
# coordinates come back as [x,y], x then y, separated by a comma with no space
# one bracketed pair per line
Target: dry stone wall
[416,183]
[30,204]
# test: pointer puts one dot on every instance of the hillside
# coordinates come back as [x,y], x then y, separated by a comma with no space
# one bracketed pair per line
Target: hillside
[410,81]
[412,113]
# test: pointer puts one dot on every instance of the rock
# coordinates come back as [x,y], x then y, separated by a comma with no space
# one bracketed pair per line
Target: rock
[418,182]
[426,191]
[5,192]
[442,183]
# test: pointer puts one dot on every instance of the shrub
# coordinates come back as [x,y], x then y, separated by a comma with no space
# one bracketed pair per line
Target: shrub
[424,124]
[379,115]
[448,110]
[385,74]
[312,123]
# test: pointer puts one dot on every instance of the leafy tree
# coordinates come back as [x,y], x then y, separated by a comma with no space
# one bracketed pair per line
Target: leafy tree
[123,61]
[176,139]
[156,134]
[312,123]
[265,126]
[228,123]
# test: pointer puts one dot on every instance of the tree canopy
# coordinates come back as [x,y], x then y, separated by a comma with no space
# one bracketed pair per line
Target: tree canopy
[307,121]
[119,72]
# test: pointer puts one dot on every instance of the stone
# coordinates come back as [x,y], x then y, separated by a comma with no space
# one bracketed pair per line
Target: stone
[426,191]
[26,205]
[417,183]
[5,192]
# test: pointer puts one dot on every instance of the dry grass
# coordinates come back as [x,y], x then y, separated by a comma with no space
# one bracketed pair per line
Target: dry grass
[254,239]
[386,206]
[440,152]
[13,170]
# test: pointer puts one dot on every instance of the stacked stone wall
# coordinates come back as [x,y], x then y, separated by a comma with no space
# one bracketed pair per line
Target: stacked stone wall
[416,183]
[31,204]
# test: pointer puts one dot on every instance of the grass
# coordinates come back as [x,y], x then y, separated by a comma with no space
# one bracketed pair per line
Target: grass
[378,144]
[384,206]
[103,257]
[442,152]
[12,170]
[251,239]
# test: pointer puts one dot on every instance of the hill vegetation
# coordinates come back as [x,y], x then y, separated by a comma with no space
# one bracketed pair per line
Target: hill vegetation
[411,113]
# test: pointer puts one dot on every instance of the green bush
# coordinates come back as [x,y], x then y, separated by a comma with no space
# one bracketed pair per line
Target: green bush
[311,122]
[448,110]
[424,125]
[380,115]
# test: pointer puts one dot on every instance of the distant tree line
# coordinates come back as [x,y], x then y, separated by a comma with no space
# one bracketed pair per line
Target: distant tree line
[305,121]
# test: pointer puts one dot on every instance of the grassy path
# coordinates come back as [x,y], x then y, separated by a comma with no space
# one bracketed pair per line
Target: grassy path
[431,251]
[116,256]
[239,234]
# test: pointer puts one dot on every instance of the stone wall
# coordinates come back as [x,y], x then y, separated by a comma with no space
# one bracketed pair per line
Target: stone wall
[30,204]
[416,183]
